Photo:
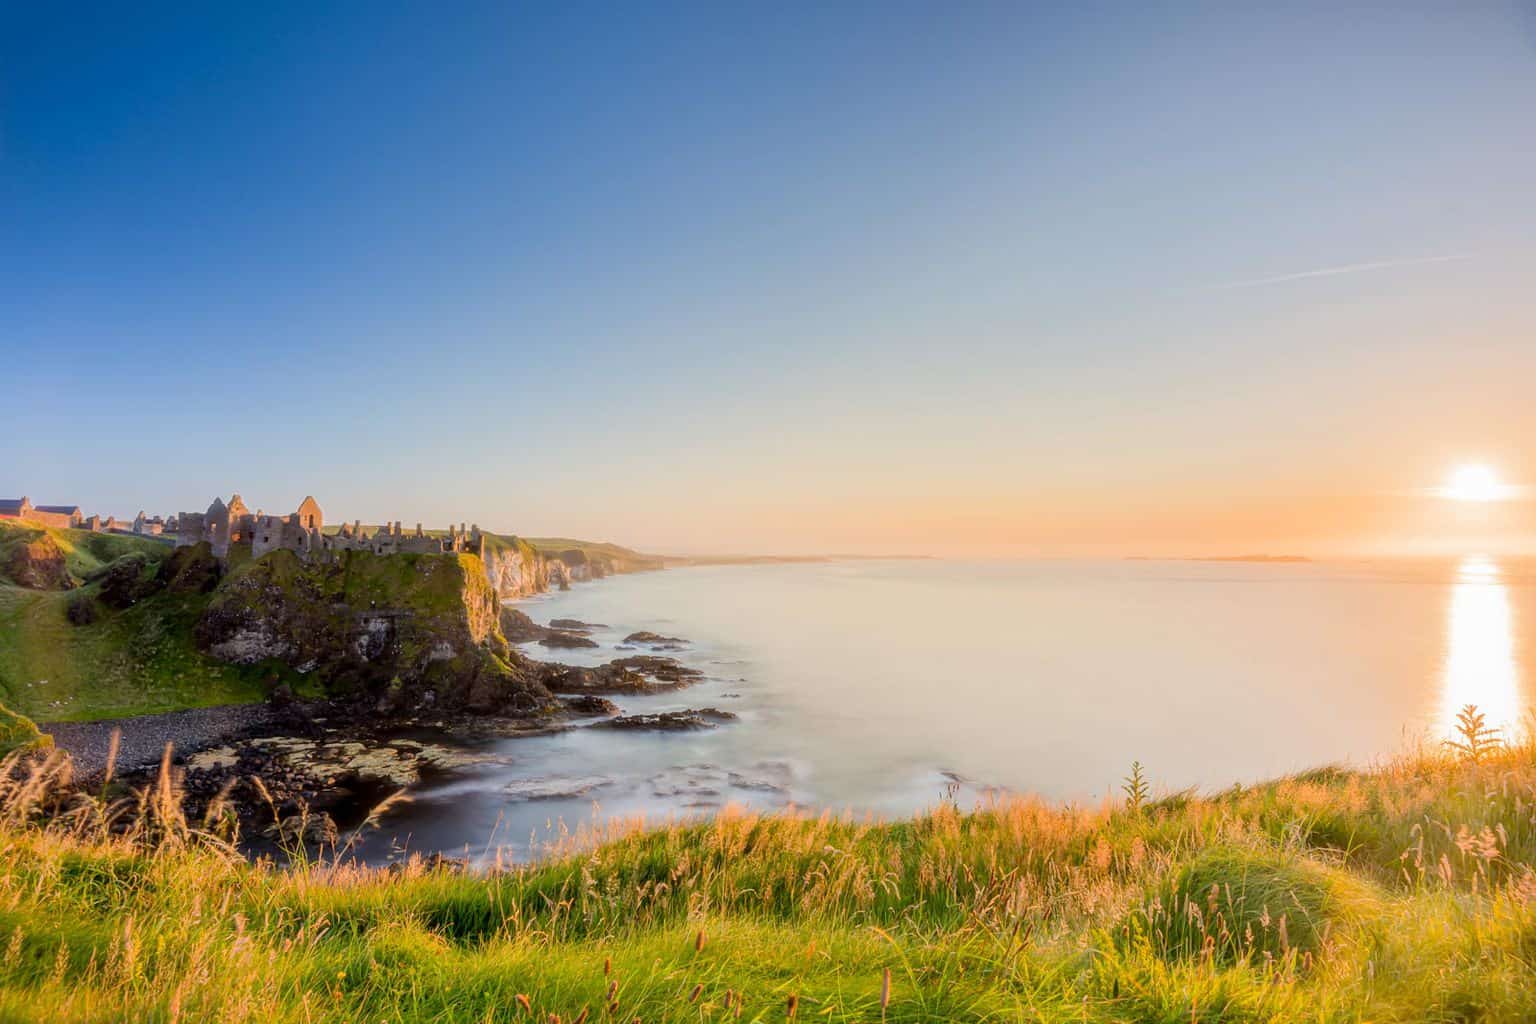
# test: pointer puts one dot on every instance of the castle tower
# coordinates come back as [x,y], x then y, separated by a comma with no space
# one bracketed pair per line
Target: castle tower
[309,515]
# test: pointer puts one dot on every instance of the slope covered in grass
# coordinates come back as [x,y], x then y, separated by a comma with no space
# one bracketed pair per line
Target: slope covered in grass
[1404,894]
[107,661]
[622,559]
[137,660]
[85,553]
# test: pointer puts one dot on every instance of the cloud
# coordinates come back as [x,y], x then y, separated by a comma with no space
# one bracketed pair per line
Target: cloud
[1348,268]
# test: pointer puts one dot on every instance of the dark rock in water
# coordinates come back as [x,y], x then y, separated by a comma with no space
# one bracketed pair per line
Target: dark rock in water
[575,624]
[519,628]
[665,670]
[650,639]
[671,721]
[318,829]
[558,638]
[556,787]
[644,673]
[589,704]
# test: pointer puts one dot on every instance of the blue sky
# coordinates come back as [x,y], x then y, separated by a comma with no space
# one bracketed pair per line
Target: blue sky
[771,277]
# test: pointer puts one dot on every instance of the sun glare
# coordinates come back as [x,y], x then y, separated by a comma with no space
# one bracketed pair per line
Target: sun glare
[1474,483]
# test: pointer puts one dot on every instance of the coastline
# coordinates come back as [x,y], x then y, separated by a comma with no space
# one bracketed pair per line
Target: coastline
[328,763]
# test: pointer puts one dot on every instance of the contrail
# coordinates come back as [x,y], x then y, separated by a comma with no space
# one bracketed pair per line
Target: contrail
[1348,268]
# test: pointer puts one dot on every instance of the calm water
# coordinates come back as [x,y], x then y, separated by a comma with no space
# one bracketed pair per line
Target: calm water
[873,686]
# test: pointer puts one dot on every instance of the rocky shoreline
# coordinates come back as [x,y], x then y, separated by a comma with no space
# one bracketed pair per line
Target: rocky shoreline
[308,771]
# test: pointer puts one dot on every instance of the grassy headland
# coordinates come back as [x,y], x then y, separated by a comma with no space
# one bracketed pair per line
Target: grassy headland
[613,557]
[96,625]
[1404,893]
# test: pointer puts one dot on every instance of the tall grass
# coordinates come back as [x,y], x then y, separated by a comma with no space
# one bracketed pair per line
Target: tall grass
[1403,893]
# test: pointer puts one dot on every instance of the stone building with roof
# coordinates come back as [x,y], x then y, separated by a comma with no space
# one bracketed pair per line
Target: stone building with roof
[66,517]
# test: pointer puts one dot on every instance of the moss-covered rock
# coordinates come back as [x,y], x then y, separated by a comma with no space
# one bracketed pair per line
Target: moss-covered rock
[37,562]
[127,581]
[191,570]
[414,629]
[81,609]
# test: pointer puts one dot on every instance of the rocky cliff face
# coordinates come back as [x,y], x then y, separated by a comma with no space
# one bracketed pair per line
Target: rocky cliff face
[418,630]
[515,570]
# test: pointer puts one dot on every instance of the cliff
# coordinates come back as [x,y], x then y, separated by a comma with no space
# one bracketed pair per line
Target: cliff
[418,630]
[518,567]
[584,560]
[515,569]
[99,625]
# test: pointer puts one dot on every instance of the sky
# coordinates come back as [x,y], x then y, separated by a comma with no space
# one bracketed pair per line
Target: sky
[780,278]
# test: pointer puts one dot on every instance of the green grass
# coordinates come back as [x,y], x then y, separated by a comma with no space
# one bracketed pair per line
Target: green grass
[138,660]
[85,553]
[624,558]
[135,661]
[1400,894]
[18,732]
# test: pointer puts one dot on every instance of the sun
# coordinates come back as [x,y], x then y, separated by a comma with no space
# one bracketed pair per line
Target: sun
[1474,482]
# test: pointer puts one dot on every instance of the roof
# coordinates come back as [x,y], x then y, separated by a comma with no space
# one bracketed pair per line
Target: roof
[10,506]
[68,510]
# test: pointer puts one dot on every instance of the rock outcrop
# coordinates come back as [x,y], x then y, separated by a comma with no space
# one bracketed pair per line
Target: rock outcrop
[640,674]
[38,564]
[514,569]
[670,721]
[419,630]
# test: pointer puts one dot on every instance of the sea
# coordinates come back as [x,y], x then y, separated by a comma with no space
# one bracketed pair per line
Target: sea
[878,688]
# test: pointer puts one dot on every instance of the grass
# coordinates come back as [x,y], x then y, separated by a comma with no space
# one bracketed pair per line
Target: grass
[137,660]
[624,559]
[18,732]
[85,553]
[1404,893]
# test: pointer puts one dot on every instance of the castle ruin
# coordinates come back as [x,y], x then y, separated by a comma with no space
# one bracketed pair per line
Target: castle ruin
[303,532]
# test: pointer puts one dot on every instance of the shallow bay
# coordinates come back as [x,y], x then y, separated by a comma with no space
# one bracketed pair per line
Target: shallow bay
[883,686]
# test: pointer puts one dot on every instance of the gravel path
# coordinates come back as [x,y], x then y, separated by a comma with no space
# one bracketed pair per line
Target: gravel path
[145,736]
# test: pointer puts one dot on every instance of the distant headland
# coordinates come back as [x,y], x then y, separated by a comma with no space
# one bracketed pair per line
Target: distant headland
[1221,558]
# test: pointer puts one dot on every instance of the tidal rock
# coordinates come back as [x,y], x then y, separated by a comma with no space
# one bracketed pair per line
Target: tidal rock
[575,624]
[519,628]
[559,638]
[671,721]
[589,704]
[556,787]
[664,670]
[637,674]
[648,639]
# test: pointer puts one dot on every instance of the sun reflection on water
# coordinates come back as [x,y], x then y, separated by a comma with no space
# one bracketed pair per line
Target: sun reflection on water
[1480,666]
